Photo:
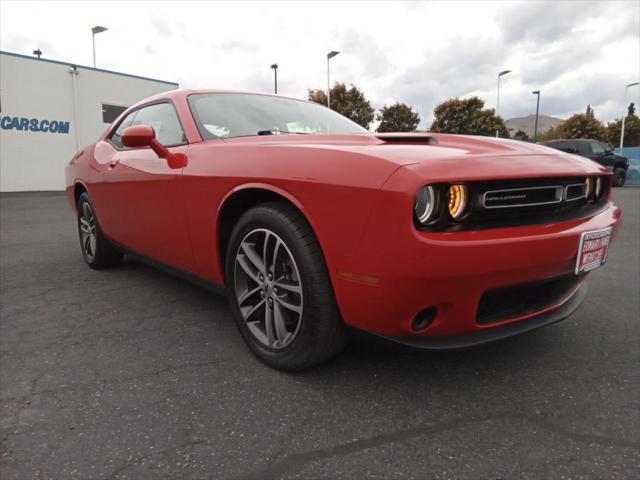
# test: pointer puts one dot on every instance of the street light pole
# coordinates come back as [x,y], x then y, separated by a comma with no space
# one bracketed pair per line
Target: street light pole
[275,77]
[95,30]
[504,72]
[535,128]
[624,115]
[330,55]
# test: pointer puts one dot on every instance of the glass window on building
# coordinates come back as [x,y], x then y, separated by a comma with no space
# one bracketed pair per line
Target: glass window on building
[111,112]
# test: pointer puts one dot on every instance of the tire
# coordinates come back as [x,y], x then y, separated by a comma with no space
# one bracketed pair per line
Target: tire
[619,177]
[97,251]
[282,302]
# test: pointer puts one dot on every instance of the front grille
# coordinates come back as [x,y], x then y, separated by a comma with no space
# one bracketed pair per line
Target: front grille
[496,204]
[518,300]
[522,197]
[575,192]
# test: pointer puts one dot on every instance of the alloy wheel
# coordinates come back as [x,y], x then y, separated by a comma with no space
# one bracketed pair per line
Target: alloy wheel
[268,288]
[88,235]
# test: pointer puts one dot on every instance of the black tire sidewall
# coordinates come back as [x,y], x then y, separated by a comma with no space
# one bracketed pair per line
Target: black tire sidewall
[318,300]
[619,177]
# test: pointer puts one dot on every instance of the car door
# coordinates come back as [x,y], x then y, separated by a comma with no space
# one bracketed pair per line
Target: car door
[144,195]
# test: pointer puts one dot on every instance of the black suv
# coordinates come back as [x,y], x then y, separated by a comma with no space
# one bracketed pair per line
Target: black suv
[597,152]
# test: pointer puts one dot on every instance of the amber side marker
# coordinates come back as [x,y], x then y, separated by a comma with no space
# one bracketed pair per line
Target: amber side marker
[358,277]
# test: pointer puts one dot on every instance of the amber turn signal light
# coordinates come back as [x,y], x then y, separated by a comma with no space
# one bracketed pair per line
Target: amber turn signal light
[457,200]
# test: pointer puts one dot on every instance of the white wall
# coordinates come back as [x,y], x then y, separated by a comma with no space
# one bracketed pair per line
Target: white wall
[43,90]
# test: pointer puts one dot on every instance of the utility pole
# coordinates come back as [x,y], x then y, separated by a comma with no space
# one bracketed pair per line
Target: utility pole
[330,55]
[275,77]
[625,112]
[504,72]
[535,129]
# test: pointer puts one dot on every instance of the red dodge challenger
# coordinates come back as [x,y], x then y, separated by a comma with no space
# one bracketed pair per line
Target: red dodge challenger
[314,226]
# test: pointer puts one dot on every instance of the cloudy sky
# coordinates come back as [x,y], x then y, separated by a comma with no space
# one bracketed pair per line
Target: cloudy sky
[576,53]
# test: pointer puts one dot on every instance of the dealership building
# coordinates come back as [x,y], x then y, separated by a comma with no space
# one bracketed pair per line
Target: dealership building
[51,109]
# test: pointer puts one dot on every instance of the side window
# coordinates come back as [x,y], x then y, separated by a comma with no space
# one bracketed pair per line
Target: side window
[583,148]
[164,120]
[597,148]
[116,136]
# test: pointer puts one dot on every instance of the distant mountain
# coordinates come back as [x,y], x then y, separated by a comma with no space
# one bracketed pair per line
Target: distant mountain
[527,123]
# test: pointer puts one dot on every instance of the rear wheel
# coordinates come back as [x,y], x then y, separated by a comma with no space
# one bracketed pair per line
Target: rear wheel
[96,249]
[619,177]
[279,289]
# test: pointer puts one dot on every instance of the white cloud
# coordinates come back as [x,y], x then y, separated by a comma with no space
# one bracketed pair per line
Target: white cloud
[576,53]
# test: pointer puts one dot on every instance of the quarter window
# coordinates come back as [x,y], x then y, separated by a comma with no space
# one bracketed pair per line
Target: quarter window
[116,137]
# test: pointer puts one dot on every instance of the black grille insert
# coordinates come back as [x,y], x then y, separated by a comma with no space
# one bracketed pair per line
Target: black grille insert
[575,192]
[517,300]
[522,197]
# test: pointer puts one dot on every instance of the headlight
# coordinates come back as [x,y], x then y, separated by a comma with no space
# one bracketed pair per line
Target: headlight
[588,186]
[425,206]
[598,188]
[457,199]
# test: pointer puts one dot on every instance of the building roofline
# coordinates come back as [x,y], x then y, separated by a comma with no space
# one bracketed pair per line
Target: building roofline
[69,64]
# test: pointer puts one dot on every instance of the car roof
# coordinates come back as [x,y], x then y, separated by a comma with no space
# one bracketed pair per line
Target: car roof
[180,94]
[574,140]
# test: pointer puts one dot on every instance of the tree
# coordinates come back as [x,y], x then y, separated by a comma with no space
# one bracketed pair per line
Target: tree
[467,116]
[631,131]
[521,135]
[631,110]
[589,112]
[583,125]
[348,102]
[551,134]
[398,117]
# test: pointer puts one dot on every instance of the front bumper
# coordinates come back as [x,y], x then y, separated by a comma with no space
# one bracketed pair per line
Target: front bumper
[406,271]
[479,337]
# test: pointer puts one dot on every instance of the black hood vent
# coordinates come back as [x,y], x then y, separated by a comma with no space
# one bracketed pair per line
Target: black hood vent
[407,138]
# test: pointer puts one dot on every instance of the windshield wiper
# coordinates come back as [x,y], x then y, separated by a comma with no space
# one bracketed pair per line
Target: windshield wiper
[279,132]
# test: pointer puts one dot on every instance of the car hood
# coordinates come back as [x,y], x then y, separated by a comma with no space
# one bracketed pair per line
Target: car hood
[442,156]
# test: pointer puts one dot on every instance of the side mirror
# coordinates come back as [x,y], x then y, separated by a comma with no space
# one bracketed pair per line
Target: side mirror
[138,136]
[141,136]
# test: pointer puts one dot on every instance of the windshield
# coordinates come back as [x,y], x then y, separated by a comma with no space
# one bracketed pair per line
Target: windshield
[239,115]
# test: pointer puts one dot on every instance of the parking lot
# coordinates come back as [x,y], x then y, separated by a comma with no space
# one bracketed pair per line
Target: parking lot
[132,373]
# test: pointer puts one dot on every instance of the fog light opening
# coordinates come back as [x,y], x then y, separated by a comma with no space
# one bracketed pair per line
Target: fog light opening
[424,318]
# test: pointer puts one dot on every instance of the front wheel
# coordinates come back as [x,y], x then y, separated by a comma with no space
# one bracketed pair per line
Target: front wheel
[279,289]
[619,177]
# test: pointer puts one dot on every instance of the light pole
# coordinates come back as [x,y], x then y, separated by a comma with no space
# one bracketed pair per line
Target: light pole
[95,30]
[504,72]
[330,55]
[625,113]
[37,53]
[535,128]
[275,77]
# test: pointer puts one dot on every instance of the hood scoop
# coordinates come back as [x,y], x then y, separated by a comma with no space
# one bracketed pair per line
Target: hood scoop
[407,138]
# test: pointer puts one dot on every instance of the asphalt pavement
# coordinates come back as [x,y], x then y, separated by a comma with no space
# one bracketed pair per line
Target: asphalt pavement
[133,373]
